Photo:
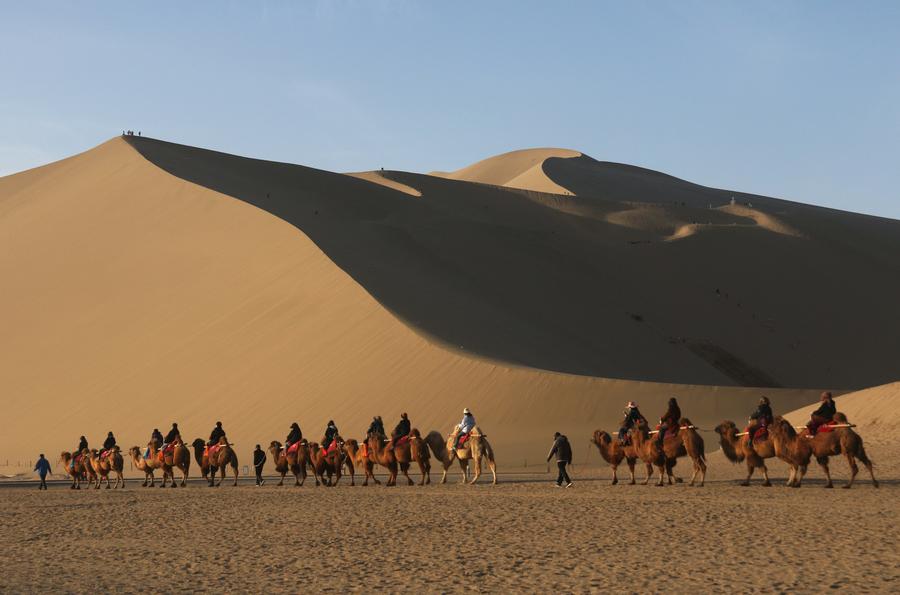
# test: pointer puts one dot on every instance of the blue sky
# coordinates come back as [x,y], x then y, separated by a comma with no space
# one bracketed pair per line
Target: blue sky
[799,100]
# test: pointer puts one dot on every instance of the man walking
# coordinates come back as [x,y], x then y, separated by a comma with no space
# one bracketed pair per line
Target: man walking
[259,459]
[43,468]
[563,451]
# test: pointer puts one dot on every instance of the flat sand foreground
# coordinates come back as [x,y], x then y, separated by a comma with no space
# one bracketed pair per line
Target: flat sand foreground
[522,535]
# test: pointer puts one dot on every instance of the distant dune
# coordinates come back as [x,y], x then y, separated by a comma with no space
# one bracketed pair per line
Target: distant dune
[147,282]
[517,169]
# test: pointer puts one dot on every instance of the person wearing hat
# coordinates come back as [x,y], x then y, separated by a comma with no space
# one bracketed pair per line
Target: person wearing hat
[293,437]
[43,468]
[216,434]
[331,431]
[760,418]
[465,426]
[403,429]
[822,415]
[563,451]
[632,416]
[259,459]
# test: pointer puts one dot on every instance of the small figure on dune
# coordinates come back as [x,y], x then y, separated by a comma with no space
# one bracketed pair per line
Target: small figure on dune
[259,460]
[632,416]
[43,469]
[563,451]
[822,415]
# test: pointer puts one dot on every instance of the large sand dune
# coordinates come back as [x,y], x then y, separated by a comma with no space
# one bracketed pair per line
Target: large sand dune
[150,285]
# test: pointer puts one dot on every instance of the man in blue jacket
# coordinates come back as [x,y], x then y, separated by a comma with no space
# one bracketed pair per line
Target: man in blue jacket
[43,469]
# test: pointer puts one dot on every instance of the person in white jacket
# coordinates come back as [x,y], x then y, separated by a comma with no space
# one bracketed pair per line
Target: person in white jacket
[466,425]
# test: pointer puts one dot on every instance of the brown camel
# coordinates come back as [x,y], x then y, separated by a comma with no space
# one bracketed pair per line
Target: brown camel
[211,465]
[177,458]
[111,463]
[329,464]
[351,458]
[378,454]
[686,442]
[295,461]
[476,448]
[613,452]
[418,451]
[737,449]
[797,449]
[649,452]
[78,471]
[138,460]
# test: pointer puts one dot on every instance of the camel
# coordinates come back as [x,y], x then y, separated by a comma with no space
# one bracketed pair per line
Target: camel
[613,452]
[179,458]
[686,442]
[648,451]
[418,451]
[78,471]
[797,449]
[138,460]
[329,464]
[377,454]
[210,466]
[295,462]
[111,463]
[475,449]
[737,449]
[351,458]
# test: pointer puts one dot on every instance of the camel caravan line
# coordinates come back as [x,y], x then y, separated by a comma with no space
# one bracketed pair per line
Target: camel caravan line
[327,465]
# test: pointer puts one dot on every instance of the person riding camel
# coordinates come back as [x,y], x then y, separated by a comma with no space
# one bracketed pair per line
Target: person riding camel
[761,417]
[108,444]
[632,416]
[668,422]
[293,437]
[402,429]
[331,431]
[376,428]
[216,434]
[156,438]
[822,415]
[465,426]
[173,435]
[82,446]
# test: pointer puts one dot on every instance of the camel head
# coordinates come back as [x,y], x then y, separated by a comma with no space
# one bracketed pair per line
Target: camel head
[726,431]
[684,422]
[726,426]
[274,446]
[198,444]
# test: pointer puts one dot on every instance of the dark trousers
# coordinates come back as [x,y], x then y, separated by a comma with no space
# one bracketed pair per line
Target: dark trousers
[258,474]
[43,485]
[563,475]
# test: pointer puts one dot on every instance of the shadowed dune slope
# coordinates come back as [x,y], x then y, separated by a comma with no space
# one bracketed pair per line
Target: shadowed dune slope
[133,298]
[589,284]
[516,169]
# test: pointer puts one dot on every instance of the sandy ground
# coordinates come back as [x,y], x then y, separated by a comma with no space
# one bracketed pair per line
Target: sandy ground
[522,535]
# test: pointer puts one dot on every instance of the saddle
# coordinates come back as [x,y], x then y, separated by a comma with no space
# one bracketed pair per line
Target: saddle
[826,427]
[105,454]
[462,439]
[626,441]
[761,433]
[293,448]
[669,431]
[364,449]
[331,448]
[402,440]
[212,451]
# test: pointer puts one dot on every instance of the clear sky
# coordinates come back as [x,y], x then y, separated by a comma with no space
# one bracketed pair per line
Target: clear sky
[799,100]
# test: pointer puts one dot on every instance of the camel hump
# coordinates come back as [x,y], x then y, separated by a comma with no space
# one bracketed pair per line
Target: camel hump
[840,418]
[415,433]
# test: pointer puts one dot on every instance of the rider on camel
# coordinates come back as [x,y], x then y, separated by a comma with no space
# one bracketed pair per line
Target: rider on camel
[108,444]
[376,428]
[157,438]
[632,416]
[173,435]
[465,426]
[331,431]
[216,434]
[403,429]
[82,446]
[762,417]
[293,437]
[668,422]
[822,415]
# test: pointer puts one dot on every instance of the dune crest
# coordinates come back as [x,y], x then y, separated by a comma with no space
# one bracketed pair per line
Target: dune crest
[378,177]
[521,169]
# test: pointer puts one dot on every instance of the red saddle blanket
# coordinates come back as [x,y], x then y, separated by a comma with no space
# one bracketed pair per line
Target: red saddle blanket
[293,448]
[331,447]
[402,440]
[761,433]
[669,431]
[826,427]
[463,438]
[213,450]
[105,454]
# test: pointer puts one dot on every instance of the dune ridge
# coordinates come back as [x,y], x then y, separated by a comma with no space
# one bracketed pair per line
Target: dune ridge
[517,169]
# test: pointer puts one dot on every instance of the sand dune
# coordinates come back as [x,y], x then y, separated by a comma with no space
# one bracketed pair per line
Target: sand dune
[516,169]
[151,282]
[378,177]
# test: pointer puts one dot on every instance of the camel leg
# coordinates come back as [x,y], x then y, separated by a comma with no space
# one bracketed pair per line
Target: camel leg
[702,472]
[492,465]
[235,469]
[464,467]
[798,479]
[631,471]
[477,472]
[823,463]
[404,469]
[662,473]
[615,478]
[649,473]
[765,472]
[750,470]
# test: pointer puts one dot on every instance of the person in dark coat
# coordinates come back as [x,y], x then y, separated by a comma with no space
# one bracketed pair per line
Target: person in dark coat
[632,416]
[216,434]
[108,444]
[822,415]
[331,431]
[563,451]
[761,417]
[259,459]
[157,438]
[173,434]
[376,428]
[669,421]
[82,446]
[403,429]
[43,468]
[293,437]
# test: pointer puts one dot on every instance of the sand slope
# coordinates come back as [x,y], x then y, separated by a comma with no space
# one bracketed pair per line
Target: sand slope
[516,169]
[134,298]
